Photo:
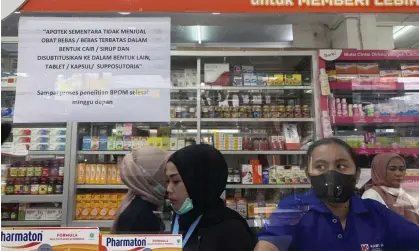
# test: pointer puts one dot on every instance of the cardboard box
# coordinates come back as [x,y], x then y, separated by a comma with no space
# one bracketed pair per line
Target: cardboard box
[85,207]
[103,207]
[173,144]
[409,67]
[119,143]
[247,174]
[368,68]
[79,206]
[53,214]
[95,143]
[56,147]
[103,143]
[144,242]
[390,73]
[293,79]
[127,143]
[213,71]
[275,79]
[410,73]
[35,214]
[346,68]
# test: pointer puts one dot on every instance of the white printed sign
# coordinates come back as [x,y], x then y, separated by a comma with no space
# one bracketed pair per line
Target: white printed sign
[93,70]
[28,239]
[166,242]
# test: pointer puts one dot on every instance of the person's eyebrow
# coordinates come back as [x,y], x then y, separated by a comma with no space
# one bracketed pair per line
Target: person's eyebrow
[173,175]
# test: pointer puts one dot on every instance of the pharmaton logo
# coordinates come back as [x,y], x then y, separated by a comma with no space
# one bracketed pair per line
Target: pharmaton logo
[10,6]
[365,247]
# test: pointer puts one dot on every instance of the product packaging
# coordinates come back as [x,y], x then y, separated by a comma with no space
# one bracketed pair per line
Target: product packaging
[326,125]
[247,174]
[87,143]
[293,79]
[163,242]
[242,207]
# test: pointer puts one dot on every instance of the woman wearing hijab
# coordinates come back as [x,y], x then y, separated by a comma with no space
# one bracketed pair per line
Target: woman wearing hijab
[142,171]
[388,171]
[197,176]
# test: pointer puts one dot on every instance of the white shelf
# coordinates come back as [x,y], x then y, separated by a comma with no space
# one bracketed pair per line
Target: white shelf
[103,152]
[104,223]
[29,223]
[263,152]
[183,120]
[7,120]
[251,186]
[46,152]
[257,120]
[184,88]
[244,88]
[121,187]
[31,198]
[8,88]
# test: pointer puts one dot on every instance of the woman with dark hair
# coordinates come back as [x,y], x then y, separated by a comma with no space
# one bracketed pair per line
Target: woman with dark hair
[331,216]
[197,176]
[388,171]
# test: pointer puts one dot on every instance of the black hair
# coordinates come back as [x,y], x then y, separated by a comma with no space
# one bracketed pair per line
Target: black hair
[327,141]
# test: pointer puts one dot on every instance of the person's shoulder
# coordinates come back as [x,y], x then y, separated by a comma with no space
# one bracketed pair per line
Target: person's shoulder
[370,193]
[374,206]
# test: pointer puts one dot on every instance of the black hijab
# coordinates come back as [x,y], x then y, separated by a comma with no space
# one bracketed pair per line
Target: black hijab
[204,172]
[6,129]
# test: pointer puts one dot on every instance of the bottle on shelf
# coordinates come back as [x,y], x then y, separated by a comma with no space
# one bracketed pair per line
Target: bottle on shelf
[338,108]
[344,108]
[327,126]
[332,106]
[324,82]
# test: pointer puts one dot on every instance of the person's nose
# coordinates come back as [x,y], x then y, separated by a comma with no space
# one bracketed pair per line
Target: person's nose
[169,189]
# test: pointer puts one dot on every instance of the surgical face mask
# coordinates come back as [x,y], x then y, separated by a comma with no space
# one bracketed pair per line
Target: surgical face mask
[333,186]
[160,189]
[186,207]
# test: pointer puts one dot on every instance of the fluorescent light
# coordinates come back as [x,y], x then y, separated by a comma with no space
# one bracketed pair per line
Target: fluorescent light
[17,12]
[198,27]
[124,13]
[216,13]
[402,31]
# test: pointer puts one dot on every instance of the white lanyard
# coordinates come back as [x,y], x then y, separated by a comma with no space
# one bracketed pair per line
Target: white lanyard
[190,230]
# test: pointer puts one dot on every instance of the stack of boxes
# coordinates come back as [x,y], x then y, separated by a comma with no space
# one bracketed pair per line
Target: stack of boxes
[183,78]
[98,174]
[31,212]
[227,142]
[41,139]
[286,175]
[98,206]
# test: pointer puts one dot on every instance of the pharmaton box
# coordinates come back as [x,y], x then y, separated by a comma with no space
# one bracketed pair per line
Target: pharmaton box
[164,242]
[59,239]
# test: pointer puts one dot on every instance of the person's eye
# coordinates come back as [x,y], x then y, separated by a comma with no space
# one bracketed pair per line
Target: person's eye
[341,166]
[320,167]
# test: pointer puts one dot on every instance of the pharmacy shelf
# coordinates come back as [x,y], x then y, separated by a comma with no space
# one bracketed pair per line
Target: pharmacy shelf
[32,198]
[119,187]
[8,88]
[373,151]
[183,120]
[263,152]
[375,120]
[103,152]
[244,88]
[104,223]
[278,186]
[257,120]
[46,152]
[367,86]
[183,88]
[29,223]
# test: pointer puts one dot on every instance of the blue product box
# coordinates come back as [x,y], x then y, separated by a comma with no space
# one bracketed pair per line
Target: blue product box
[87,143]
[103,143]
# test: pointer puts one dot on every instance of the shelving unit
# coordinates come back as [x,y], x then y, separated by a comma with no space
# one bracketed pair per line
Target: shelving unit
[32,198]
[30,223]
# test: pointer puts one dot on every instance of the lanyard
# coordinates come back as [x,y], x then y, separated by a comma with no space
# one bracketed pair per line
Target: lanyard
[190,230]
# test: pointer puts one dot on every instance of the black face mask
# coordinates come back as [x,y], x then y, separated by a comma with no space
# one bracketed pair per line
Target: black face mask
[333,186]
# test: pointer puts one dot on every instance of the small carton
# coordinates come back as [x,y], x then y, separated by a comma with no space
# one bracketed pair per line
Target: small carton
[238,80]
[293,79]
[410,73]
[87,143]
[127,143]
[295,175]
[180,143]
[21,132]
[56,147]
[95,143]
[103,143]
[152,141]
[368,68]
[111,143]
[275,79]
[119,143]
[53,214]
[79,205]
[39,147]
[288,175]
[390,73]
[410,67]
[40,131]
[242,207]
[128,129]
[119,129]
[247,68]
[103,207]
[113,206]
[252,210]
[94,207]
[249,79]
[57,131]
[346,77]
[281,175]
[346,68]
[22,211]
[273,177]
[261,79]
[247,174]
[98,174]
[85,212]
[173,144]
[35,214]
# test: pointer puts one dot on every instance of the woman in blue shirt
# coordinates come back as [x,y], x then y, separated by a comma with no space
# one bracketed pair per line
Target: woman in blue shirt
[330,216]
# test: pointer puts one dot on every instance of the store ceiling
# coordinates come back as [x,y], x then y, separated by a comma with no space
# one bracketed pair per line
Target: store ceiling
[240,28]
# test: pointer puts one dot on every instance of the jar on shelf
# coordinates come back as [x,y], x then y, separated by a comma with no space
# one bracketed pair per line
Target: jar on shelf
[172,112]
[35,186]
[257,111]
[211,112]
[30,170]
[237,176]
[13,170]
[178,111]
[306,111]
[218,112]
[236,112]
[45,170]
[184,112]
[61,167]
[53,171]
[267,112]
[230,176]
[192,112]
[243,112]
[297,112]
[289,111]
[51,186]
[38,169]
[10,186]
[204,112]
[43,187]
[27,186]
[19,182]
[21,172]
[226,112]
[281,111]
[59,186]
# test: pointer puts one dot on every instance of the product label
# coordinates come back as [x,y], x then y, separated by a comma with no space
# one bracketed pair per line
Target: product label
[83,239]
[141,242]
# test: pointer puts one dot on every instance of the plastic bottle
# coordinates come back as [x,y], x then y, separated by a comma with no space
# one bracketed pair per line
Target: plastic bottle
[327,126]
[361,110]
[324,82]
[338,108]
[355,110]
[344,108]
[332,107]
[350,110]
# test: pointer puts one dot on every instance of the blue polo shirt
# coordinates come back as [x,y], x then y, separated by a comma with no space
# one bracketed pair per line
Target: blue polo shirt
[303,222]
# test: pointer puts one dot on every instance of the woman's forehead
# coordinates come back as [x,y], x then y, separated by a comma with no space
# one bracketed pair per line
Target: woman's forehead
[330,152]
